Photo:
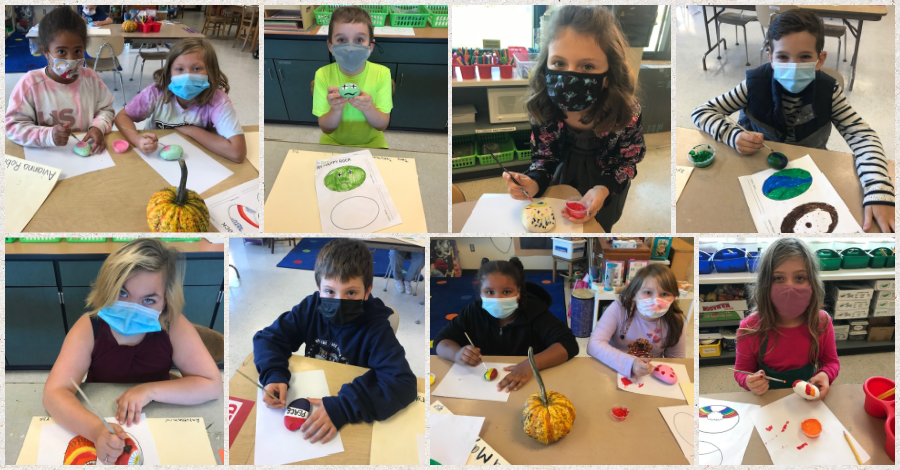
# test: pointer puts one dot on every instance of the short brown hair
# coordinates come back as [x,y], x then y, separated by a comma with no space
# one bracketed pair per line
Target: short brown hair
[217,79]
[351,14]
[345,259]
[797,21]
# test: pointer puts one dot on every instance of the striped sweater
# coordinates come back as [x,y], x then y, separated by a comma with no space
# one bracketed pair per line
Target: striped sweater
[871,165]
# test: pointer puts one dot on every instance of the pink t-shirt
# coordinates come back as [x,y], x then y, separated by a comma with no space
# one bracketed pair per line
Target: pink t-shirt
[606,346]
[38,103]
[789,351]
[216,116]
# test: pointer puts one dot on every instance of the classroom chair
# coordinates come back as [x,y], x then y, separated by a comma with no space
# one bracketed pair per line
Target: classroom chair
[250,26]
[831,31]
[271,242]
[458,195]
[106,59]
[737,19]
[214,21]
[390,273]
[215,345]
[145,56]
[394,319]
[564,260]
[764,15]
[837,75]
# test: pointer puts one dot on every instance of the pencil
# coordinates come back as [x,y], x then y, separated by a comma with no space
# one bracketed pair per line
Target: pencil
[754,373]
[473,345]
[258,385]
[886,394]
[852,447]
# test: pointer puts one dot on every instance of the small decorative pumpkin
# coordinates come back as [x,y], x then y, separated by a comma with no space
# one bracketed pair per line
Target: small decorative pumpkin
[129,26]
[177,209]
[538,217]
[548,416]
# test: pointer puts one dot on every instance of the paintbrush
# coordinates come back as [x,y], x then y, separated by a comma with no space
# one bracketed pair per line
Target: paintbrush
[258,385]
[136,132]
[754,373]
[91,406]
[514,181]
[473,345]
[852,447]
[745,130]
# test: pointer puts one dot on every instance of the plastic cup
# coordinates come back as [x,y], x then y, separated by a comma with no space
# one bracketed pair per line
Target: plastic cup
[620,412]
[874,386]
[702,155]
[811,427]
[575,208]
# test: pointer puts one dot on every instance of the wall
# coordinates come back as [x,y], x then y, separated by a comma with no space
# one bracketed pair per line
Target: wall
[485,249]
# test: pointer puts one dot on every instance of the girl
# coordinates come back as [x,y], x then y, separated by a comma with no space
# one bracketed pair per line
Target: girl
[511,316]
[47,105]
[133,332]
[190,95]
[586,123]
[645,322]
[788,336]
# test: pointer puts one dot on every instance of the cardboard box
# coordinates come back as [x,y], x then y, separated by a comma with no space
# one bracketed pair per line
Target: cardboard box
[857,336]
[842,329]
[568,249]
[710,333]
[884,295]
[882,312]
[851,314]
[882,284]
[844,305]
[851,291]
[724,306]
[880,333]
[859,325]
[711,350]
[882,304]
[721,316]
[881,321]
[841,336]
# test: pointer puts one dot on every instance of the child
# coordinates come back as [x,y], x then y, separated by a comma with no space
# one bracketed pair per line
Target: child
[134,332]
[788,336]
[791,100]
[416,263]
[190,96]
[344,323]
[645,322]
[47,105]
[361,123]
[586,123]
[511,316]
[94,14]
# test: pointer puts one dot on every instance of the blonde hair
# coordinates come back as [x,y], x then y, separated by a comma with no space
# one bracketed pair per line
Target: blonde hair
[137,256]
[760,293]
[217,79]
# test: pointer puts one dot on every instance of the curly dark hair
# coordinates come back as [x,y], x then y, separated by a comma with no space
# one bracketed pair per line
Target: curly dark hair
[60,19]
[513,269]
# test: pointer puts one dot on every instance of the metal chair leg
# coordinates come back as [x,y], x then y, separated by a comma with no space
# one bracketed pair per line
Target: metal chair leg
[837,61]
[845,46]
[134,66]
[746,49]
[141,77]
[736,43]
[421,314]
[387,276]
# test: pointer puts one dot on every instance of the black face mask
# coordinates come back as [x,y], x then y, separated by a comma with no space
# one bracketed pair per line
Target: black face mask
[574,91]
[340,311]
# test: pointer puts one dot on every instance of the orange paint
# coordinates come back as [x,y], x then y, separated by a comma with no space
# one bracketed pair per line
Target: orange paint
[811,427]
[442,282]
[451,316]
[545,282]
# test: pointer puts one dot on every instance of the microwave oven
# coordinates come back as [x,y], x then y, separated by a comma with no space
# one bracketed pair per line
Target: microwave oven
[507,104]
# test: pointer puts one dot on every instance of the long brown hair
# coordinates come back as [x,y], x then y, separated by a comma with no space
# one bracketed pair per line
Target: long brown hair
[616,107]
[217,79]
[777,253]
[665,280]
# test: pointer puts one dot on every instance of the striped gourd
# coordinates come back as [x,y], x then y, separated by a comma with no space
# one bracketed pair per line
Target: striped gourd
[177,209]
[548,416]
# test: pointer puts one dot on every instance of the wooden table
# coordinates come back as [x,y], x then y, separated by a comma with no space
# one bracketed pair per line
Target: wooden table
[395,243]
[356,437]
[167,33]
[18,248]
[115,199]
[462,210]
[845,401]
[712,200]
[596,438]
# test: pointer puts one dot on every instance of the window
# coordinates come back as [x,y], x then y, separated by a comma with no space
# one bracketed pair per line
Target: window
[511,24]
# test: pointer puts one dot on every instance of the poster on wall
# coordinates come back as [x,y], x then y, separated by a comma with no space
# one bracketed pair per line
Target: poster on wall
[445,258]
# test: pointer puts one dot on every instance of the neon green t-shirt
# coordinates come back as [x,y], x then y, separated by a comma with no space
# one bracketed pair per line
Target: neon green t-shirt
[354,131]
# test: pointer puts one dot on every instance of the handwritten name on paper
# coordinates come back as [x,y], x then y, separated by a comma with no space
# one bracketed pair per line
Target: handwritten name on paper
[182,420]
[17,164]
[395,159]
[327,163]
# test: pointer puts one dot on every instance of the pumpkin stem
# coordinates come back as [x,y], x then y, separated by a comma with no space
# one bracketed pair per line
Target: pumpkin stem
[537,375]
[182,193]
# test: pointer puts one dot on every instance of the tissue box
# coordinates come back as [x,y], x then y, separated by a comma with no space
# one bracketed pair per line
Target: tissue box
[859,325]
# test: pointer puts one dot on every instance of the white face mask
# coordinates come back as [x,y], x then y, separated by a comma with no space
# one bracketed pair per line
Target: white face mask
[500,308]
[89,11]
[66,68]
[653,307]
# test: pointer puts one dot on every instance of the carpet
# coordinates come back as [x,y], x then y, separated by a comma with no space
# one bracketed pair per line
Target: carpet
[304,255]
[18,55]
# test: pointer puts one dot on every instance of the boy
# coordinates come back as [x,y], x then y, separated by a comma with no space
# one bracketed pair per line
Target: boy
[343,323]
[358,121]
[94,14]
[791,100]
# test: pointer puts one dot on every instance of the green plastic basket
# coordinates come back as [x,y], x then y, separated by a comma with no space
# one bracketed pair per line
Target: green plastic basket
[506,153]
[124,239]
[10,240]
[889,263]
[520,136]
[40,240]
[377,12]
[463,161]
[829,260]
[854,258]
[879,257]
[438,16]
[409,19]
[85,240]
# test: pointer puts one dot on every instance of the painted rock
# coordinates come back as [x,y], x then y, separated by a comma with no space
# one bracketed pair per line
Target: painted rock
[171,152]
[665,374]
[806,390]
[83,149]
[296,413]
[787,184]
[538,217]
[131,454]
[80,451]
[777,160]
[491,374]
[345,178]
[349,90]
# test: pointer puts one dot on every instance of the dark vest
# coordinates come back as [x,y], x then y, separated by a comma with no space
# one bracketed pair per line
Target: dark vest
[765,112]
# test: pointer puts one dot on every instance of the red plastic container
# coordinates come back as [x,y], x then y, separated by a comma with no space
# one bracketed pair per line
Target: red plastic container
[873,387]
[156,27]
[146,27]
[889,439]
[467,72]
[484,71]
[506,71]
[575,208]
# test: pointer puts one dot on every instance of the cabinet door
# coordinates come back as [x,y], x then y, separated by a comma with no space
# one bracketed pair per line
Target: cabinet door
[34,326]
[420,101]
[75,299]
[200,303]
[219,324]
[275,108]
[295,77]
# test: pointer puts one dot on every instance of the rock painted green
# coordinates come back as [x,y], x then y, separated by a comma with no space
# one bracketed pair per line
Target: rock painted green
[345,178]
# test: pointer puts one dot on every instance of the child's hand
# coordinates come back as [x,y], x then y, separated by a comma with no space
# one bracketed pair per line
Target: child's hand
[821,381]
[61,135]
[363,102]
[749,142]
[515,191]
[109,446]
[132,402]
[593,201]
[468,356]
[883,215]
[758,383]
[641,366]
[99,144]
[521,373]
[319,426]
[147,143]
[280,391]
[335,100]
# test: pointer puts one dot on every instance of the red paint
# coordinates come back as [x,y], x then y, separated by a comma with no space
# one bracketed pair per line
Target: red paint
[801,446]
[626,382]
[576,210]
[769,428]
[785,426]
[795,383]
[640,385]
[620,412]
[809,390]
[297,261]
[575,206]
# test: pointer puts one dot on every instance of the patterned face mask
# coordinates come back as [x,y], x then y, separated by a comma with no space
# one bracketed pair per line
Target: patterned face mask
[574,91]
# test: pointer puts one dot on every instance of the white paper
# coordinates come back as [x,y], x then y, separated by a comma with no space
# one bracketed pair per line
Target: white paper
[482,452]
[499,213]
[67,160]
[769,214]
[99,32]
[275,444]
[323,30]
[680,420]
[237,209]
[203,171]
[468,382]
[452,437]
[682,175]
[725,430]
[422,446]
[778,424]
[27,186]
[394,31]
[54,439]
[361,203]
[649,385]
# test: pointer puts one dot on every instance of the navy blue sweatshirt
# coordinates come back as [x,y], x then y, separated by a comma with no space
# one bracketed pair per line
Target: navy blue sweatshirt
[386,388]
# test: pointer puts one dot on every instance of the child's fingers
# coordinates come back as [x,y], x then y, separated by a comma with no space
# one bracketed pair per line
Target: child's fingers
[332,89]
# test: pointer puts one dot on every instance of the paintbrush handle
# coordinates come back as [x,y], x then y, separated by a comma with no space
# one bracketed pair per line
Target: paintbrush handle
[93,409]
[473,345]
[745,130]
[754,373]
[258,385]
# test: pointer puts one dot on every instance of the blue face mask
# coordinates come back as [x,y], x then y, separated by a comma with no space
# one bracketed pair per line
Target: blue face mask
[350,57]
[794,77]
[188,85]
[130,319]
[500,308]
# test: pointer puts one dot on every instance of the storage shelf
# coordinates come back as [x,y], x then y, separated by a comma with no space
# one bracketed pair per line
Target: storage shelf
[839,275]
[482,125]
[844,348]
[488,171]
[711,324]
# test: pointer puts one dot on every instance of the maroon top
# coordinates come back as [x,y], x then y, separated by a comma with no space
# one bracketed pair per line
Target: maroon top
[147,361]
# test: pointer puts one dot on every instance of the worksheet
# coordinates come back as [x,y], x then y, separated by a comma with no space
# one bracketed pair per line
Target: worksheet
[394,439]
[482,452]
[352,195]
[725,430]
[499,213]
[204,171]
[682,175]
[680,420]
[452,437]
[65,158]
[27,186]
[55,439]
[468,382]
[236,210]
[649,385]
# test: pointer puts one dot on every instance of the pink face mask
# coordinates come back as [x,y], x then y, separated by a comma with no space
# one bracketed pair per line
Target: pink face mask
[790,301]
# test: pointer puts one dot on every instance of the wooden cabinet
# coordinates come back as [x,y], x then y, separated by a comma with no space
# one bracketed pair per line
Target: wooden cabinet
[274,96]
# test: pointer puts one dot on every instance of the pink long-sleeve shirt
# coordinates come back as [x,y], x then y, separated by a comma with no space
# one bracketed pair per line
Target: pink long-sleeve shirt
[606,346]
[791,350]
[38,103]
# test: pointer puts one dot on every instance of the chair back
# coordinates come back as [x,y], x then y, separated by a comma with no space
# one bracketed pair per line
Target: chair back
[214,342]
[394,319]
[111,46]
[248,18]
[837,75]
[213,11]
[458,195]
